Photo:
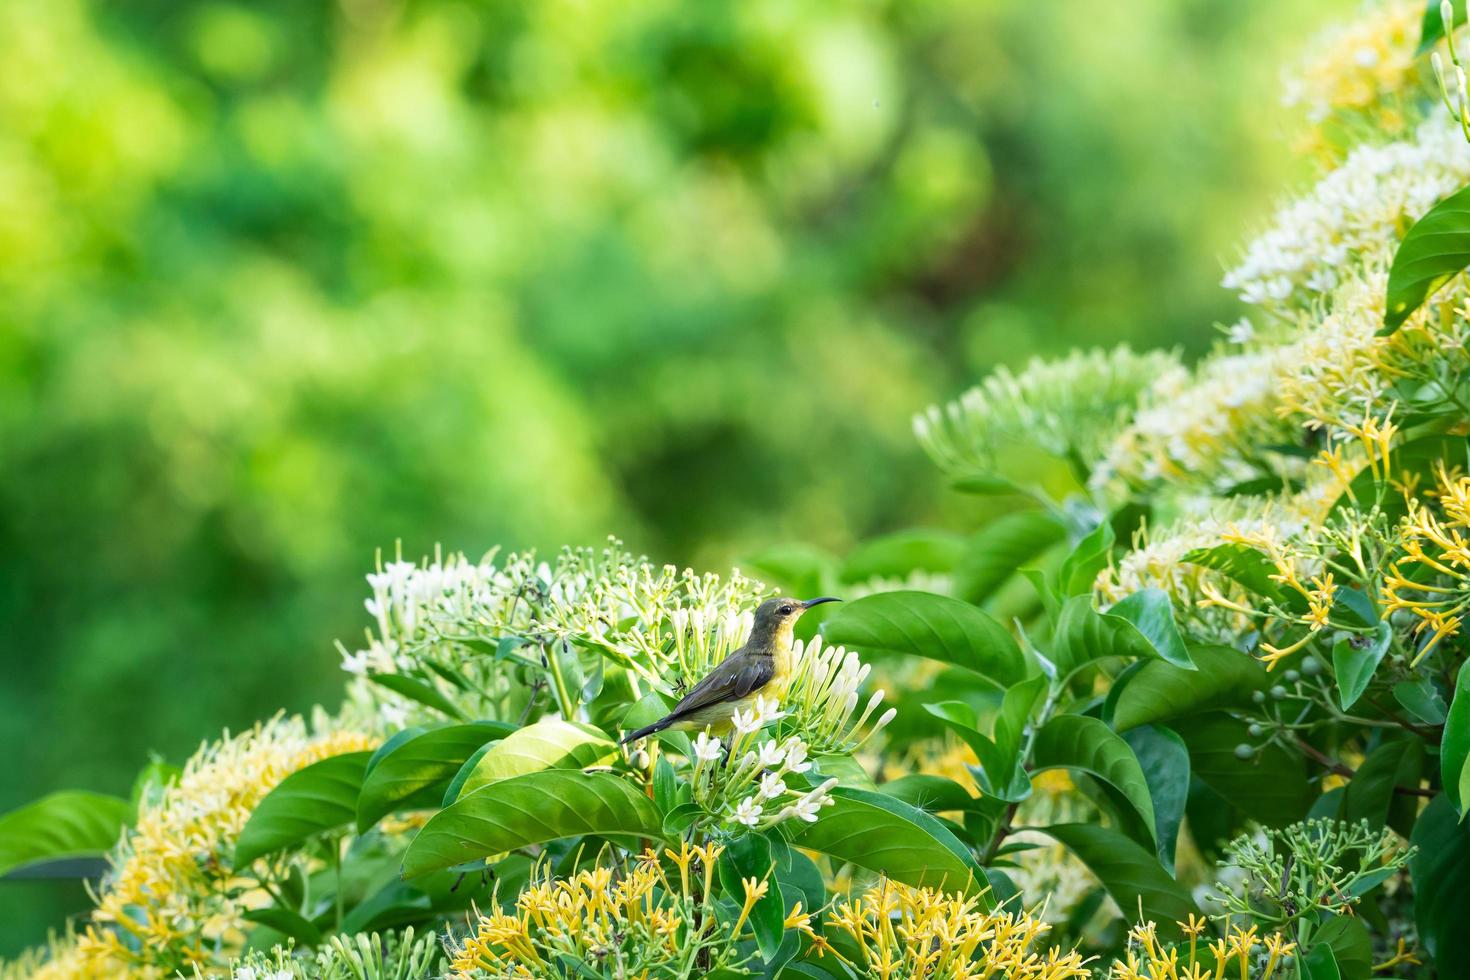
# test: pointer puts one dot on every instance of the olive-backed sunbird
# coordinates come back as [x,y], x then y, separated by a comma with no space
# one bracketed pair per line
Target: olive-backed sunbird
[760,667]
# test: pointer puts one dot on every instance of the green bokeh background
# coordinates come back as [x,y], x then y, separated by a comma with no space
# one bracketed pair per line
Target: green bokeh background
[284,282]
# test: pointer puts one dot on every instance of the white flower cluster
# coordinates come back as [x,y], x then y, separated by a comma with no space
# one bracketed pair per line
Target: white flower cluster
[823,695]
[744,782]
[1199,429]
[1070,408]
[1352,217]
[662,623]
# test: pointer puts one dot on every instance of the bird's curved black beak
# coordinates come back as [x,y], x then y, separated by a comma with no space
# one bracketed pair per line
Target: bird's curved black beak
[817,602]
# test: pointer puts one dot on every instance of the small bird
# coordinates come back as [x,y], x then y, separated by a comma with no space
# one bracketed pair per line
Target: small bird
[761,667]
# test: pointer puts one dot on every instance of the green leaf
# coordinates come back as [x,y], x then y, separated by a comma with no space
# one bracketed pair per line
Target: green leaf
[416,771]
[1351,607]
[287,923]
[897,556]
[999,774]
[1087,745]
[749,856]
[926,625]
[1271,786]
[994,553]
[1015,711]
[421,691]
[1131,874]
[1084,635]
[310,801]
[1320,964]
[1080,568]
[1434,251]
[1224,677]
[1440,870]
[1354,660]
[933,794]
[847,770]
[1164,759]
[1370,793]
[452,791]
[549,744]
[886,836]
[1151,612]
[1454,749]
[1244,565]
[1352,947]
[59,826]
[530,809]
[1422,699]
[1431,29]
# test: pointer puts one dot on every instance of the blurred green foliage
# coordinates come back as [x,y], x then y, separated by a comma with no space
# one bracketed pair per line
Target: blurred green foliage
[283,282]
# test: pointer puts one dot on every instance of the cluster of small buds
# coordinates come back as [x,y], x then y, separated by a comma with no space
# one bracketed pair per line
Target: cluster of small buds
[1454,90]
[744,781]
[823,696]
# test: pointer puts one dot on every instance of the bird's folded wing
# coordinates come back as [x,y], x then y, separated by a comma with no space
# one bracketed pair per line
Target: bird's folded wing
[736,677]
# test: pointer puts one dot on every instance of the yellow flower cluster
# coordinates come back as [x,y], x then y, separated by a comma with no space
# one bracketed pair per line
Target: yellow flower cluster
[173,899]
[910,933]
[638,923]
[1147,958]
[1432,578]
[1362,73]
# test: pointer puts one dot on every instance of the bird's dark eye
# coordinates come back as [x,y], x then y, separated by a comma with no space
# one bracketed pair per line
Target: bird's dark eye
[787,610]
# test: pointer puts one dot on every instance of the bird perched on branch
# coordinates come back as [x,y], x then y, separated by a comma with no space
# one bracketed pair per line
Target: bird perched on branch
[761,667]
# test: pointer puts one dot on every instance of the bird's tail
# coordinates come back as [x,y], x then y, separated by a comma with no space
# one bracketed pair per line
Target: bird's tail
[647,730]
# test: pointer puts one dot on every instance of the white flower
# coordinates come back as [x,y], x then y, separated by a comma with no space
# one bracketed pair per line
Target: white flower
[768,710]
[771,755]
[1240,332]
[772,786]
[355,663]
[796,756]
[748,812]
[245,973]
[706,749]
[807,807]
[393,715]
[746,722]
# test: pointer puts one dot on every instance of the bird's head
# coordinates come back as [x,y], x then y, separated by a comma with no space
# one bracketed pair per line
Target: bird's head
[775,617]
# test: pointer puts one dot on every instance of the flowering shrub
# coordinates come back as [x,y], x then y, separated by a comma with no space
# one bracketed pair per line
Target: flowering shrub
[1205,715]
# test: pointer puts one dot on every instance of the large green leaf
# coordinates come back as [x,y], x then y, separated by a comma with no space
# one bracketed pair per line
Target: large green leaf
[887,836]
[1131,874]
[416,771]
[1164,759]
[1434,251]
[1354,659]
[749,856]
[1151,613]
[1454,749]
[1351,945]
[1370,794]
[1080,568]
[1440,869]
[1271,786]
[1087,745]
[1140,627]
[994,553]
[68,824]
[530,809]
[549,744]
[1158,691]
[899,555]
[308,802]
[926,625]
